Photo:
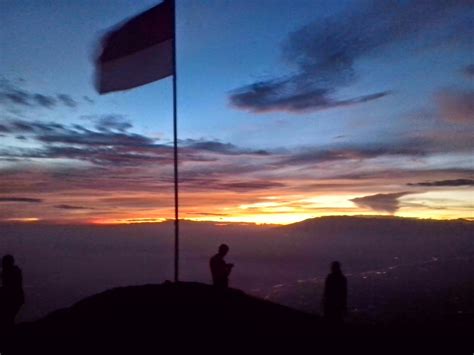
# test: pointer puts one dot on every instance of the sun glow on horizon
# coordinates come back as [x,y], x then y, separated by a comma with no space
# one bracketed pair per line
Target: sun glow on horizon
[265,220]
[314,136]
[23,220]
[257,208]
[136,220]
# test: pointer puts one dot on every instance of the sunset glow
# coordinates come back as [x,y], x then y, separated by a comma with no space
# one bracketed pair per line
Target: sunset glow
[277,129]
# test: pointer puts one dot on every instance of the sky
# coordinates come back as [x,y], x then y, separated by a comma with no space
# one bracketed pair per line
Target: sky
[287,110]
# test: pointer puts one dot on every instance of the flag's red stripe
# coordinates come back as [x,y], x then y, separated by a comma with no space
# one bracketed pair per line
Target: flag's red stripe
[145,30]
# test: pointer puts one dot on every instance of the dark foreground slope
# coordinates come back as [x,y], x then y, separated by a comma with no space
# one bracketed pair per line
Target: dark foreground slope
[193,317]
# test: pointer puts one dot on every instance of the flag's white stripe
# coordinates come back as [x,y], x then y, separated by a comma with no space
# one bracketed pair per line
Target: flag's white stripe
[153,63]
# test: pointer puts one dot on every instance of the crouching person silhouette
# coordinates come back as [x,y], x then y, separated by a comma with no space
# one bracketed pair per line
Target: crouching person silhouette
[335,295]
[11,294]
[220,270]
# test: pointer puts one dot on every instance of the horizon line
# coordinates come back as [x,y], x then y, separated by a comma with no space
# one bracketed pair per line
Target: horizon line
[159,220]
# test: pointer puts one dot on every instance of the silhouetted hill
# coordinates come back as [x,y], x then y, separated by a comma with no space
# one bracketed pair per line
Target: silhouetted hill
[153,316]
[192,317]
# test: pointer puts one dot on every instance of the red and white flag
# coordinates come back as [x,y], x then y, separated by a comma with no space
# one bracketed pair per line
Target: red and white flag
[139,51]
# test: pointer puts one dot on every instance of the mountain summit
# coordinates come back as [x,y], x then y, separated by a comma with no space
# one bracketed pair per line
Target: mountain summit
[145,319]
[180,318]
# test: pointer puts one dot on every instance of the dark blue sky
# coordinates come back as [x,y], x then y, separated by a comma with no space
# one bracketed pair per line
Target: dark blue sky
[287,110]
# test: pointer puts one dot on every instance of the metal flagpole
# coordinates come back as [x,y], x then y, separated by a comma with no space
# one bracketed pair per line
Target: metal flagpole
[175,151]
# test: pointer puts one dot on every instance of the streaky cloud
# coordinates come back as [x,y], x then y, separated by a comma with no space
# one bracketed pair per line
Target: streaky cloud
[14,96]
[44,101]
[110,144]
[21,199]
[266,97]
[243,186]
[456,106]
[221,148]
[72,207]
[67,100]
[323,54]
[418,148]
[469,71]
[381,202]
[445,183]
[110,122]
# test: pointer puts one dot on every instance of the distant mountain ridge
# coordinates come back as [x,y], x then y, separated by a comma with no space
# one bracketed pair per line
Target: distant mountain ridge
[364,221]
[63,264]
[190,222]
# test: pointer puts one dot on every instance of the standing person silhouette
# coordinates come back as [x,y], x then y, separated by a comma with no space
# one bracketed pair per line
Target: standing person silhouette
[220,270]
[11,293]
[335,295]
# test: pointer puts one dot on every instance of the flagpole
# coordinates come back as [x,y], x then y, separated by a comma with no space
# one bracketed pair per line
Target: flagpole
[175,152]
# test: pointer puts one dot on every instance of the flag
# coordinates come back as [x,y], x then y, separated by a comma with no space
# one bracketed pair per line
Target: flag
[139,51]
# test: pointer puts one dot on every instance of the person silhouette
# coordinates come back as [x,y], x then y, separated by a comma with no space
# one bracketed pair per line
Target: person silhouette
[220,270]
[335,295]
[11,293]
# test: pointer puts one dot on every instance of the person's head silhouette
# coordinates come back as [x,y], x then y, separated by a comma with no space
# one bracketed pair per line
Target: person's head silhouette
[8,261]
[336,266]
[223,250]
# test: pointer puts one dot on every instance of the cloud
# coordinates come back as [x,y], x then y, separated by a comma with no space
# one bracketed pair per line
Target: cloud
[402,174]
[323,54]
[243,186]
[20,199]
[112,131]
[272,96]
[313,155]
[206,214]
[16,97]
[80,143]
[138,180]
[219,147]
[13,96]
[71,207]
[67,100]
[381,202]
[443,183]
[99,155]
[92,138]
[456,106]
[110,144]
[469,71]
[110,122]
[88,100]
[52,132]
[44,101]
